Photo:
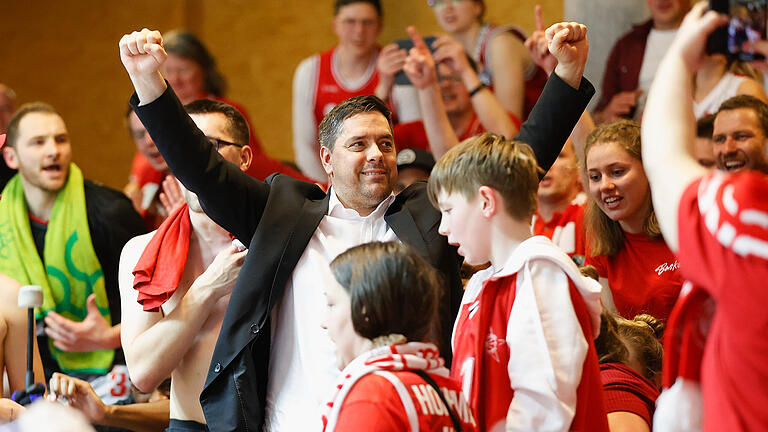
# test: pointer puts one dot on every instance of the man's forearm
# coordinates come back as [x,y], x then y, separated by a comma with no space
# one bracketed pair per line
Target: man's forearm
[139,417]
[157,351]
[488,108]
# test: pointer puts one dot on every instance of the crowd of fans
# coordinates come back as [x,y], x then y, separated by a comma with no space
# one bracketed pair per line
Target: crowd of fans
[461,244]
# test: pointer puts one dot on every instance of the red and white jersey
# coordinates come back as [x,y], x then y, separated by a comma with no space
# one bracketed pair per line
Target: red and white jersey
[403,401]
[522,344]
[329,89]
[566,228]
[644,276]
[723,248]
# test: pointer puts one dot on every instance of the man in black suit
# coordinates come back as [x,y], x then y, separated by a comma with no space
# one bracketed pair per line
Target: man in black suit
[275,365]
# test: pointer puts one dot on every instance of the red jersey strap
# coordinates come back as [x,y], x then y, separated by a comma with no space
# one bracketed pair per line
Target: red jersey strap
[329,91]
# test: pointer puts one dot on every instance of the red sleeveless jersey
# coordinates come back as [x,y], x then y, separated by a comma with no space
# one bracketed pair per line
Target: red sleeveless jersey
[329,91]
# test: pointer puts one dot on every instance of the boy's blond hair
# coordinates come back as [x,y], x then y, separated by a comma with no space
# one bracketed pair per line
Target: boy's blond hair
[508,167]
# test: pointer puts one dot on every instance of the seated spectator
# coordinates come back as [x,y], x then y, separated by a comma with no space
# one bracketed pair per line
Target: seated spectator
[623,239]
[714,222]
[561,202]
[719,79]
[152,197]
[175,283]
[413,165]
[533,371]
[349,69]
[65,234]
[450,112]
[704,150]
[634,59]
[392,377]
[504,62]
[739,135]
[629,394]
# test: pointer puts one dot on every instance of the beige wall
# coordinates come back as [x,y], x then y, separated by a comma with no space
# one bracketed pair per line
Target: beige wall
[65,53]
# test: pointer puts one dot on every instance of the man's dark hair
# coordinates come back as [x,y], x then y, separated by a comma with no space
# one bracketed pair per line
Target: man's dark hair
[236,124]
[13,126]
[186,44]
[338,4]
[747,101]
[392,290]
[330,127]
[705,126]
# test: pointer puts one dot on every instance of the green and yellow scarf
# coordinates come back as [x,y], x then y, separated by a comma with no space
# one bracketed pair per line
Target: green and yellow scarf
[71,271]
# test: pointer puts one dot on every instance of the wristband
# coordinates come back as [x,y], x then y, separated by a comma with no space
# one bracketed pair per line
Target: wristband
[475,90]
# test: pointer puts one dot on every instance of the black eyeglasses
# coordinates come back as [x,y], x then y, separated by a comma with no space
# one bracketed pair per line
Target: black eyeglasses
[219,143]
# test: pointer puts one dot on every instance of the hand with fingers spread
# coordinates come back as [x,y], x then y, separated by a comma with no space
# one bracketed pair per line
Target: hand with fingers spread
[92,333]
[171,196]
[79,395]
[219,278]
[419,66]
[538,47]
[142,54]
[568,43]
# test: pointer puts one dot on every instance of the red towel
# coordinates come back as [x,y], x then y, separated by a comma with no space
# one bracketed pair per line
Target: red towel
[159,270]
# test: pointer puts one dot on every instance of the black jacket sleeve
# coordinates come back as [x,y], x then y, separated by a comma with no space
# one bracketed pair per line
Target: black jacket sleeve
[553,118]
[230,197]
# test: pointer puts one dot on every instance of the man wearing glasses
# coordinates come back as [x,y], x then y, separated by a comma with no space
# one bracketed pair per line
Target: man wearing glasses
[175,282]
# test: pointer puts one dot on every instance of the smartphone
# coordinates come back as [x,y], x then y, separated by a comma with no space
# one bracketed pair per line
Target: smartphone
[746,23]
[401,78]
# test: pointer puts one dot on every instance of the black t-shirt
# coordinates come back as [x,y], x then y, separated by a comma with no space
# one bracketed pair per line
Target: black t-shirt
[112,221]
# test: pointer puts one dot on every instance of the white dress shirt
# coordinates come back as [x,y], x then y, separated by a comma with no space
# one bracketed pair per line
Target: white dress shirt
[302,359]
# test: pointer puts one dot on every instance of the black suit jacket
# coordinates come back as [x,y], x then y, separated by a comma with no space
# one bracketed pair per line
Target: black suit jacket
[277,218]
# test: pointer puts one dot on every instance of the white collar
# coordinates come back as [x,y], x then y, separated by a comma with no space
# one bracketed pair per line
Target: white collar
[337,209]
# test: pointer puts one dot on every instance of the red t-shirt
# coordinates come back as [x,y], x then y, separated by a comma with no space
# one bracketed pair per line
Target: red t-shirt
[413,134]
[374,404]
[626,390]
[565,229]
[723,240]
[644,277]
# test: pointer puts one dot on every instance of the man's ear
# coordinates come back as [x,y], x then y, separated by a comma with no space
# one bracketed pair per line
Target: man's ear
[9,154]
[489,201]
[246,157]
[325,159]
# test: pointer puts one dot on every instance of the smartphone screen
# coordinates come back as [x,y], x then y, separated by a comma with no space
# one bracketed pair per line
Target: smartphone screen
[746,24]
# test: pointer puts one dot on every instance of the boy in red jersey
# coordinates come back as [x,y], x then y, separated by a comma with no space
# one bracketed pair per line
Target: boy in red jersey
[522,343]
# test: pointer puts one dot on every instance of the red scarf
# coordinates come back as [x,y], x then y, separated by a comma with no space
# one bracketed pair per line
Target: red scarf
[406,356]
[159,270]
